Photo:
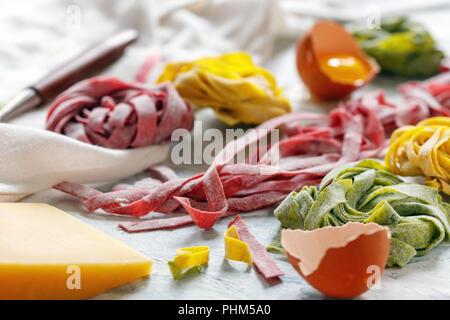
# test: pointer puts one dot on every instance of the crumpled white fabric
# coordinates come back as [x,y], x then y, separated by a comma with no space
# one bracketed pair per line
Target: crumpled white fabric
[34,160]
[36,37]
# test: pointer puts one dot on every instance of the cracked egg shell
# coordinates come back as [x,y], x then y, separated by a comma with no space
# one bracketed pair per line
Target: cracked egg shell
[327,38]
[341,262]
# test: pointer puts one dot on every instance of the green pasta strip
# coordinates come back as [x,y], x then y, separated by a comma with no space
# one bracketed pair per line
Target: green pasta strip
[367,192]
[400,253]
[275,246]
[305,201]
[179,274]
[383,214]
[288,212]
[327,199]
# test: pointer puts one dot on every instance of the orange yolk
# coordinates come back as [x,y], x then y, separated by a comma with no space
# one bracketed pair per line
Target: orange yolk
[343,68]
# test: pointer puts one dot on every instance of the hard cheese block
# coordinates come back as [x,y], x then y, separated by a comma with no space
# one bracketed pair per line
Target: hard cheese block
[47,254]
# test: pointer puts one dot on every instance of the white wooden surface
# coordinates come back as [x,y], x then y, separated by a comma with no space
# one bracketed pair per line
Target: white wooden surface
[425,278]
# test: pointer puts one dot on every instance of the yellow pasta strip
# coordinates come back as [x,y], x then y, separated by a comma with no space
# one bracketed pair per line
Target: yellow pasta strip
[193,256]
[235,249]
[422,150]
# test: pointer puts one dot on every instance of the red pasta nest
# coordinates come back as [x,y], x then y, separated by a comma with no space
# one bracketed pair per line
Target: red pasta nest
[108,112]
[356,130]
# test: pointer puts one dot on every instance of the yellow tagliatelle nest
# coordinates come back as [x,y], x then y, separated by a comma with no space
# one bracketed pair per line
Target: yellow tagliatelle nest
[231,84]
[423,150]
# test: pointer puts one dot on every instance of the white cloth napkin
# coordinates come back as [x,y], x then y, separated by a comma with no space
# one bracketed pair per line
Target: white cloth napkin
[34,160]
[36,36]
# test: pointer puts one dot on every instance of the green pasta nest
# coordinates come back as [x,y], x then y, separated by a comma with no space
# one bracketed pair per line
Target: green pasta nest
[401,47]
[367,192]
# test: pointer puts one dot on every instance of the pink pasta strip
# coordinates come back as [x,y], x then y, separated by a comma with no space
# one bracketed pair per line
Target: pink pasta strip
[262,260]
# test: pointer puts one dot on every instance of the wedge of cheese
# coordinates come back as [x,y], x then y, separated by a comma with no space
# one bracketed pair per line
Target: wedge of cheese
[46,253]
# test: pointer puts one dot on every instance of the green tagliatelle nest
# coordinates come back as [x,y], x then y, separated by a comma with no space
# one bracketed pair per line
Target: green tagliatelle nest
[367,192]
[401,47]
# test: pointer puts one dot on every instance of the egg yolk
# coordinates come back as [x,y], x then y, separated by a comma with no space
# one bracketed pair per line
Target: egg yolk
[343,68]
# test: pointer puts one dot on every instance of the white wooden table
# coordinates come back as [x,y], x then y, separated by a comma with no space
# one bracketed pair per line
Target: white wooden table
[424,278]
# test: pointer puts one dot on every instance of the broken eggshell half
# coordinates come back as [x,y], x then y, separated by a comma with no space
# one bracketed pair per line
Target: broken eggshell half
[341,262]
[327,38]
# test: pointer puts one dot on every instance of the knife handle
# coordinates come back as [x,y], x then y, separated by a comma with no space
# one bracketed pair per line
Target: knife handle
[86,64]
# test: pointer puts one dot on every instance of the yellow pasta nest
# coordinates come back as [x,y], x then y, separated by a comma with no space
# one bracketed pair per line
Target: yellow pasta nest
[231,84]
[422,150]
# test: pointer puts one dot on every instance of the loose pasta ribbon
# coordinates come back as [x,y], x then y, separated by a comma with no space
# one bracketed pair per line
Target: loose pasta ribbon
[188,261]
[192,256]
